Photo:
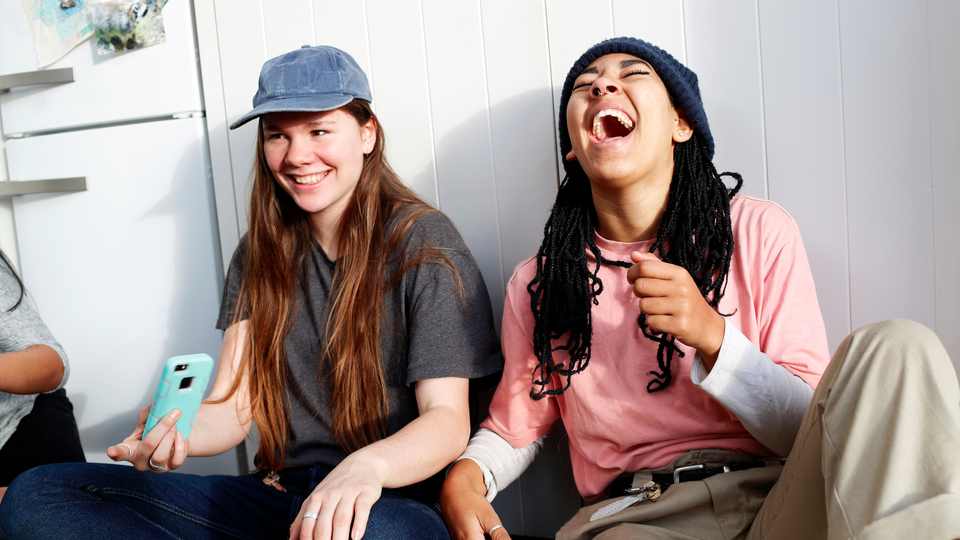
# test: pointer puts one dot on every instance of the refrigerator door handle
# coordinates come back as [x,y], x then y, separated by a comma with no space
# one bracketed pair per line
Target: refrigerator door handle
[31,78]
[54,185]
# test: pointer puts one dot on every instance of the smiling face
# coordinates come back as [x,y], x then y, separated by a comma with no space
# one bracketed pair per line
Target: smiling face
[317,158]
[621,123]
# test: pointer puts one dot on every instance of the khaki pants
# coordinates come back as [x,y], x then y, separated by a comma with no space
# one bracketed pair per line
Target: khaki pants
[876,458]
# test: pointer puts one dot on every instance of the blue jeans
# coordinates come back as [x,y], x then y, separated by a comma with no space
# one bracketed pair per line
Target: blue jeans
[92,501]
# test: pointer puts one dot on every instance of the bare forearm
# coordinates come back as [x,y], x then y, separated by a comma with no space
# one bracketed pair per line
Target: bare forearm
[38,368]
[419,450]
[218,428]
[225,417]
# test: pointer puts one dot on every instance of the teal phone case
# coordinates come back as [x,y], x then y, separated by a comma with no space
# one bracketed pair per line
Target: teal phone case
[182,384]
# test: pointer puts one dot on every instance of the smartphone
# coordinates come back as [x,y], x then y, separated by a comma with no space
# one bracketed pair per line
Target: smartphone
[182,384]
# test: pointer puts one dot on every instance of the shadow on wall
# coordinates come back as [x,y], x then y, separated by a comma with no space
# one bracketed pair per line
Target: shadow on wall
[191,308]
[496,176]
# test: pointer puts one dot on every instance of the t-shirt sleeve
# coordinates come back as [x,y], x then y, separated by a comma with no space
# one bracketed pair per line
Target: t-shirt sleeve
[514,415]
[449,318]
[231,286]
[22,327]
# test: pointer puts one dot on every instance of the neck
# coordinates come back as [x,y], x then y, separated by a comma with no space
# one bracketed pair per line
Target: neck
[327,232]
[631,214]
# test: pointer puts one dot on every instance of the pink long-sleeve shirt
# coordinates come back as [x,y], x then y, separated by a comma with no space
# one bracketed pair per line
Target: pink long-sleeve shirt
[614,424]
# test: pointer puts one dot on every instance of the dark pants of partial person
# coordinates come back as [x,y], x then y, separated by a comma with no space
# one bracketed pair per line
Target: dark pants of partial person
[47,435]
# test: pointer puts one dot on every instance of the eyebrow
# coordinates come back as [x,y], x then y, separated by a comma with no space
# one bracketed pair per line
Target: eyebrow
[623,65]
[634,61]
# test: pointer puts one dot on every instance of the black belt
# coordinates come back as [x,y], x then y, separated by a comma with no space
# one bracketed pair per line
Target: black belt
[690,473]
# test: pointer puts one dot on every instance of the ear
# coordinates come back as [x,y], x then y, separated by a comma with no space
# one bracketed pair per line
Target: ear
[368,132]
[682,130]
[571,156]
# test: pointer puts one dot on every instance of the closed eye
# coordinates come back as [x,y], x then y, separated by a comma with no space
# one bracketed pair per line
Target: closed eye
[582,84]
[636,72]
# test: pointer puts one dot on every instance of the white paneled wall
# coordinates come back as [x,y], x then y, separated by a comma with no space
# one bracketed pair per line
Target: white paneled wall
[723,48]
[888,152]
[845,112]
[803,119]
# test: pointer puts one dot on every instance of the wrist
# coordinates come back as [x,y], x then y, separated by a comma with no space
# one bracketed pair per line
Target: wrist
[369,463]
[709,349]
[466,474]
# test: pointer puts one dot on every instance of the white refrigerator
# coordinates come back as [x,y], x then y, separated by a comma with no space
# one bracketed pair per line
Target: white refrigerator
[127,272]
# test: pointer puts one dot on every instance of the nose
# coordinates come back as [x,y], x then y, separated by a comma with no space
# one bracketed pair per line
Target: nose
[603,86]
[298,152]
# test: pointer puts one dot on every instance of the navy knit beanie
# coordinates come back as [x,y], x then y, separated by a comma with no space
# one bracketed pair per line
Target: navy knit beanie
[681,84]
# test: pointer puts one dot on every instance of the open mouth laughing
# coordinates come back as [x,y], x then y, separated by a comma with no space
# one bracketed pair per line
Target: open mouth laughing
[611,123]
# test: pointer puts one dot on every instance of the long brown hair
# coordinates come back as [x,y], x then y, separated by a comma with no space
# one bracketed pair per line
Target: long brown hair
[278,241]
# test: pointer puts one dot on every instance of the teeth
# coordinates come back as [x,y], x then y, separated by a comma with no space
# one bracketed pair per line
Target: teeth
[598,130]
[312,179]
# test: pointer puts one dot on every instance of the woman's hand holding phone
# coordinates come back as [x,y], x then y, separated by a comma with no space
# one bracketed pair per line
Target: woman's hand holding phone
[163,449]
[180,390]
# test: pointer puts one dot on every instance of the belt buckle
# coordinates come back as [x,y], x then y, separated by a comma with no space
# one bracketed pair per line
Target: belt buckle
[678,470]
[697,467]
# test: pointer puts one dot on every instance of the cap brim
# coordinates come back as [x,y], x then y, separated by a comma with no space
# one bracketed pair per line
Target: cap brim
[299,104]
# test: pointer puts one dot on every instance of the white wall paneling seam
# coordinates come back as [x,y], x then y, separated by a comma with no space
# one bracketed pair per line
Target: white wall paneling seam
[430,119]
[493,153]
[804,141]
[943,47]
[221,164]
[763,123]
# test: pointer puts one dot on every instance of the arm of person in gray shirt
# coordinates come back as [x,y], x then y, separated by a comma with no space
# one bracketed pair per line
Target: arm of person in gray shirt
[31,360]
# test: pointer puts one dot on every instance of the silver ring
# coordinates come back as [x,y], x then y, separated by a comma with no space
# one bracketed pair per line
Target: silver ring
[129,451]
[495,527]
[158,468]
[310,515]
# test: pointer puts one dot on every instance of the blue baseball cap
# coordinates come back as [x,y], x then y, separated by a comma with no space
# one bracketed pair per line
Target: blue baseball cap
[308,79]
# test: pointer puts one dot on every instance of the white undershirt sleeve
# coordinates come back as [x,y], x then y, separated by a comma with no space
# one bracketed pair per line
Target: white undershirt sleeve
[769,400]
[500,462]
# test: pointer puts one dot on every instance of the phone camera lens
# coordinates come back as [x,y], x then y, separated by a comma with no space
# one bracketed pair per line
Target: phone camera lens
[180,367]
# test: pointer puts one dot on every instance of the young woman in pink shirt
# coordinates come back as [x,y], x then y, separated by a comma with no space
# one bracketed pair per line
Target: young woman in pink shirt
[674,328]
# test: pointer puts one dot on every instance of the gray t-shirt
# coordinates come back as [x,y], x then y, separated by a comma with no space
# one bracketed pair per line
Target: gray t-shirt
[19,329]
[428,331]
